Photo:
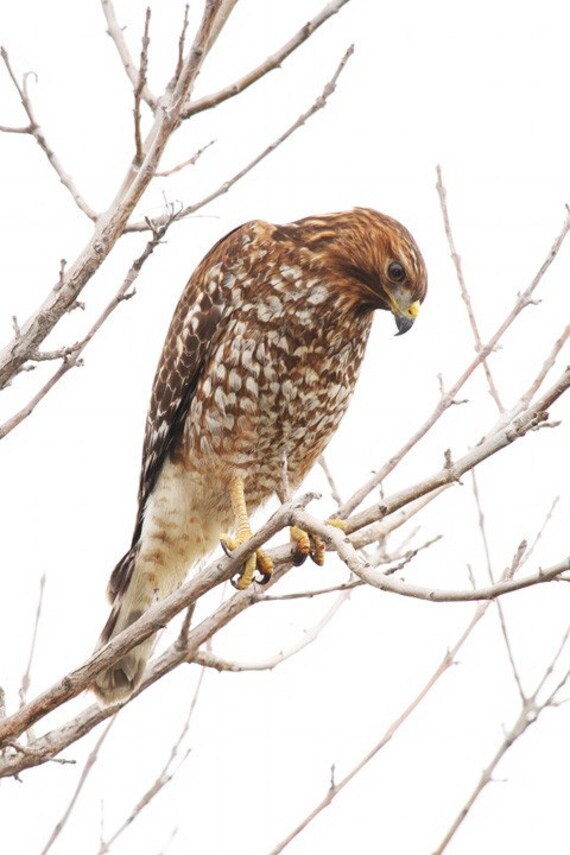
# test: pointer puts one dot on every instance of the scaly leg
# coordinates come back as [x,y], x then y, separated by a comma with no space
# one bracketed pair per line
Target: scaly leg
[256,561]
[311,544]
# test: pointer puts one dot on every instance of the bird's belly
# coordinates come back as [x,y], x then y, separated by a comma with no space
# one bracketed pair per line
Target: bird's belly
[297,418]
[260,404]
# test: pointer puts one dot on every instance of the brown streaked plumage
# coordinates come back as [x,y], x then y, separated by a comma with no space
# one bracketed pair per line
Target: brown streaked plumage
[260,361]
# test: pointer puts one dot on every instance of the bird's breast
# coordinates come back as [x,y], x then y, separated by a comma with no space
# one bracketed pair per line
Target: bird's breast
[274,389]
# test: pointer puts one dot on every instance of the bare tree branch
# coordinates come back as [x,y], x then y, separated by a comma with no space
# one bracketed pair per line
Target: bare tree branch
[116,33]
[7,129]
[210,660]
[36,132]
[24,688]
[110,225]
[223,188]
[162,612]
[529,712]
[336,787]
[164,777]
[81,678]
[181,44]
[452,471]
[456,258]
[190,162]
[522,301]
[72,355]
[448,660]
[328,475]
[225,8]
[385,582]
[379,531]
[529,394]
[141,82]
[268,65]
[490,574]
[90,762]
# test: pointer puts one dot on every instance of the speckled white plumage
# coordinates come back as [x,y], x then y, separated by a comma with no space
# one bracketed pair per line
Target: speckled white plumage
[259,364]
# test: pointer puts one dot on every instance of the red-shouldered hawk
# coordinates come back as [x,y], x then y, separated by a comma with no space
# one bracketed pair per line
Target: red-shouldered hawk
[258,366]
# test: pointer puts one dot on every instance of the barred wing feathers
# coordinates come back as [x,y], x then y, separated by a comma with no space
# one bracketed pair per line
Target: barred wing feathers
[194,330]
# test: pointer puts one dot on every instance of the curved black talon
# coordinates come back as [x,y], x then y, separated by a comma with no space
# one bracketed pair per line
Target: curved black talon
[299,558]
[226,549]
[233,581]
[262,578]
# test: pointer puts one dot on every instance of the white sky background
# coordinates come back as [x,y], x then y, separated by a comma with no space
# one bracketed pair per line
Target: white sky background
[484,93]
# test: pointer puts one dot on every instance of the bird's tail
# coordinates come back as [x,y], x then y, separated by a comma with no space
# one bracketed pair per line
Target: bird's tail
[131,590]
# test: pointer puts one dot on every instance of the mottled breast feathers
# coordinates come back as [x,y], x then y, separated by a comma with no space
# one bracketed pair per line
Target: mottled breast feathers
[351,251]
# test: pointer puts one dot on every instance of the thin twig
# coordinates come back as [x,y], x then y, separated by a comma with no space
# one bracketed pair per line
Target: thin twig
[403,559]
[527,396]
[307,595]
[8,129]
[336,787]
[190,162]
[549,670]
[442,193]
[385,582]
[444,403]
[181,42]
[46,747]
[51,355]
[162,612]
[72,355]
[530,548]
[111,225]
[24,688]
[331,482]
[28,753]
[90,762]
[115,31]
[155,618]
[502,621]
[210,660]
[268,65]
[379,531]
[169,841]
[138,92]
[223,188]
[164,777]
[452,471]
[529,713]
[36,132]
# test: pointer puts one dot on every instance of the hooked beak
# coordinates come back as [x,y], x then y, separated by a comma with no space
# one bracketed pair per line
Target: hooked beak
[405,320]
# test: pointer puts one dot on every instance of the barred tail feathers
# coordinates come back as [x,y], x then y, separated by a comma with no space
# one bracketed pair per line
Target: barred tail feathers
[145,575]
[132,592]
[175,534]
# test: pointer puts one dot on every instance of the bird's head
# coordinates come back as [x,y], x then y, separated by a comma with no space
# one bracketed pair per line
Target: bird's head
[378,262]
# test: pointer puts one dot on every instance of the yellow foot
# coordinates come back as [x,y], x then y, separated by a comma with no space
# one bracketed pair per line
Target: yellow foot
[259,561]
[305,545]
[338,523]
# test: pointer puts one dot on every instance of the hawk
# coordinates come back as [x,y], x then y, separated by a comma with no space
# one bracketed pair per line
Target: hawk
[258,366]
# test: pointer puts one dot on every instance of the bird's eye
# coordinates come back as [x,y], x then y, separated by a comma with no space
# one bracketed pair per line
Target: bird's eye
[396,271]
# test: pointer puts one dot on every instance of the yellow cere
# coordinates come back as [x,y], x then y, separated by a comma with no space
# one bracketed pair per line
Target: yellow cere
[413,310]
